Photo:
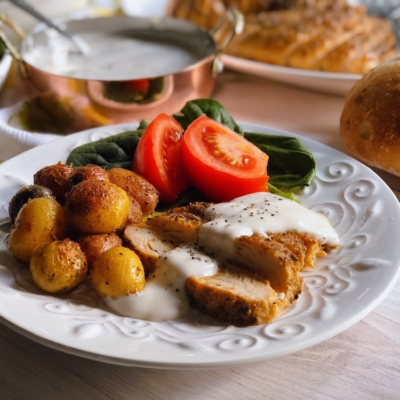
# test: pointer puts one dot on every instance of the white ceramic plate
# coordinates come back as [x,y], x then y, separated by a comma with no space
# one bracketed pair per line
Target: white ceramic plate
[343,288]
[326,82]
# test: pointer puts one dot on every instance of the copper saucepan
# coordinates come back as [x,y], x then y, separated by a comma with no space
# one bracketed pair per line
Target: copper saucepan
[147,85]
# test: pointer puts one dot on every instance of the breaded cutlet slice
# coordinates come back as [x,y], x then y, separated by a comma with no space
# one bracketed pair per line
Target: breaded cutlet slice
[278,258]
[162,233]
[149,244]
[235,296]
[182,227]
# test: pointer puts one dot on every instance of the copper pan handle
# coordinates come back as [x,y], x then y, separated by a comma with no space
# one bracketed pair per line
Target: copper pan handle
[5,20]
[236,20]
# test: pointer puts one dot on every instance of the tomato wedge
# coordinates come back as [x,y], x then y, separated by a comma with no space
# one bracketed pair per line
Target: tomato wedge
[138,85]
[220,163]
[158,157]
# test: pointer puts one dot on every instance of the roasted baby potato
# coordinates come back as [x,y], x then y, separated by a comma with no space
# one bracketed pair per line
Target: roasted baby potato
[39,222]
[95,245]
[137,188]
[97,207]
[87,172]
[55,177]
[117,272]
[22,196]
[58,266]
[134,217]
[135,213]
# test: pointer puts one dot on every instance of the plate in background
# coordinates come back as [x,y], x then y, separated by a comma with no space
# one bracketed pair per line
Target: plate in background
[325,82]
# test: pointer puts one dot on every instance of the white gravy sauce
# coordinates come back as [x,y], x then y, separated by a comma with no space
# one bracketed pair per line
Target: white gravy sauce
[260,213]
[111,57]
[164,295]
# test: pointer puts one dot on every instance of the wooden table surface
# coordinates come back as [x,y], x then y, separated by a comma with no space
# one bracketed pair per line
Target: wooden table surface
[363,362]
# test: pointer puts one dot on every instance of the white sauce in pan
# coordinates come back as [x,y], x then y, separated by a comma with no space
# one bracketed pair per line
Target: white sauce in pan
[111,57]
[164,295]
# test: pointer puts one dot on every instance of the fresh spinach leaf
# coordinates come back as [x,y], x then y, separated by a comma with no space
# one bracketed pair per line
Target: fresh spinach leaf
[286,195]
[196,108]
[290,163]
[113,152]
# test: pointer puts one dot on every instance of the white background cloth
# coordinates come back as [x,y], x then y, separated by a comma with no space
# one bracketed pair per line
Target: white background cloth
[14,141]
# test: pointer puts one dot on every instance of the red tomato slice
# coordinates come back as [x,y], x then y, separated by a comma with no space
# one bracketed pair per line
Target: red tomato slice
[220,163]
[158,157]
[138,85]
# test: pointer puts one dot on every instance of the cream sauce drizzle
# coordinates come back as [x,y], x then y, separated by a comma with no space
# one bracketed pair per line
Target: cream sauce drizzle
[259,213]
[164,295]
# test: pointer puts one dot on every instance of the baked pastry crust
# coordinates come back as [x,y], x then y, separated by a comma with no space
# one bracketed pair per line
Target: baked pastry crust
[351,55]
[325,35]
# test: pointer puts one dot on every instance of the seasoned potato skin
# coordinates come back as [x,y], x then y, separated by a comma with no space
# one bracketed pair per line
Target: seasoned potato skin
[58,266]
[87,172]
[39,222]
[137,188]
[55,177]
[97,207]
[22,196]
[135,213]
[95,245]
[134,217]
[117,272]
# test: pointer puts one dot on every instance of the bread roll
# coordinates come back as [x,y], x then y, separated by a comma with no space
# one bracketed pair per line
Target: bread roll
[370,122]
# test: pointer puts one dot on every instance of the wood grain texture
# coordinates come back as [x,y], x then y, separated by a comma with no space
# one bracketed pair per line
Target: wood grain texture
[361,363]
